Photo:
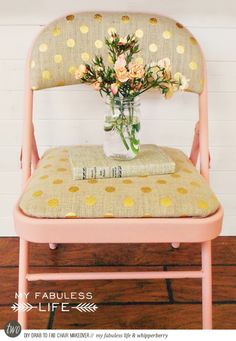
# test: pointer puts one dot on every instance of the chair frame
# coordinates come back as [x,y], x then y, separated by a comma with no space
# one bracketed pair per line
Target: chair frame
[117,230]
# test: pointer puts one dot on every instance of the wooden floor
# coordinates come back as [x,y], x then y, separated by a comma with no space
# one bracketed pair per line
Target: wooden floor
[130,304]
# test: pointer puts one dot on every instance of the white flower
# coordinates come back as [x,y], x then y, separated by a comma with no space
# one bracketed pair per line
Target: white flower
[152,64]
[182,81]
[164,63]
[122,41]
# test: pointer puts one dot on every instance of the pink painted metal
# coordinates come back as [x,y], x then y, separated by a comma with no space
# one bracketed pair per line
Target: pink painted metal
[206,286]
[84,276]
[132,230]
[23,282]
[175,245]
[118,230]
[203,131]
[28,133]
[52,246]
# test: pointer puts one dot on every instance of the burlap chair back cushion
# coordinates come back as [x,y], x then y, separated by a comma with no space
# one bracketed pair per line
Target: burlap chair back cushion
[69,41]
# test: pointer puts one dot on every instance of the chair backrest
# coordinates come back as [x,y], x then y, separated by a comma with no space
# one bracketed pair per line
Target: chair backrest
[74,39]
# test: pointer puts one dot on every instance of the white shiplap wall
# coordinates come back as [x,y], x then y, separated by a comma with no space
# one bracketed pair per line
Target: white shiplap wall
[67,115]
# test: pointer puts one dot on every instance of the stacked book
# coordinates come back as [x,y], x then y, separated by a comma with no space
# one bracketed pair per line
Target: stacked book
[89,162]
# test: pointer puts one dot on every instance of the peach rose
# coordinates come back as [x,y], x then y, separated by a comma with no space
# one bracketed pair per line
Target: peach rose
[120,69]
[167,74]
[81,71]
[97,85]
[114,88]
[122,74]
[120,62]
[83,68]
[136,70]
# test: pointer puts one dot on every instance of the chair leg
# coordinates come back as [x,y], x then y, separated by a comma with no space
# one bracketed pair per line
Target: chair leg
[175,245]
[206,286]
[23,283]
[52,246]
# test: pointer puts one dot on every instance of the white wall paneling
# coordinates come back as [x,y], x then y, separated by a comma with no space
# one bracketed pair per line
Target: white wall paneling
[67,115]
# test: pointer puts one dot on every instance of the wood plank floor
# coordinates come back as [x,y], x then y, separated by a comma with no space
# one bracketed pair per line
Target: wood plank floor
[130,304]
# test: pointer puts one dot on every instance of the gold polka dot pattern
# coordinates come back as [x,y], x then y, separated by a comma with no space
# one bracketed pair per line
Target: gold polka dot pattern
[180,49]
[57,58]
[55,195]
[193,41]
[193,65]
[98,44]
[125,19]
[61,169]
[152,47]
[194,183]
[202,204]
[73,189]
[46,75]
[90,200]
[57,181]
[127,181]
[70,42]
[153,21]
[37,194]
[146,189]
[72,69]
[139,60]
[76,38]
[182,190]
[84,29]
[167,34]
[179,25]
[70,215]
[43,177]
[139,33]
[166,202]
[161,182]
[128,202]
[108,215]
[56,31]
[98,17]
[53,202]
[43,47]
[110,189]
[70,17]
[85,57]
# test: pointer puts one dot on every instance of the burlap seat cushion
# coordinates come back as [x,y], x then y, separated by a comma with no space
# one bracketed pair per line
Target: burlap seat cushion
[51,192]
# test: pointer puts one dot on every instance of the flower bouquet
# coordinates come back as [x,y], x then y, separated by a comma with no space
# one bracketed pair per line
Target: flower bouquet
[122,83]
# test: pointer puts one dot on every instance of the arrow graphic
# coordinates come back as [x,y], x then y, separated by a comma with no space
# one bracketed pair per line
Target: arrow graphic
[86,307]
[22,307]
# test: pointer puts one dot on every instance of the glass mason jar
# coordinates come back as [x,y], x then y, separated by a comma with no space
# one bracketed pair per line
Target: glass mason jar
[122,128]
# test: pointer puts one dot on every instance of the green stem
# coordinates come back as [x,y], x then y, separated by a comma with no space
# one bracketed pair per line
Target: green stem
[123,139]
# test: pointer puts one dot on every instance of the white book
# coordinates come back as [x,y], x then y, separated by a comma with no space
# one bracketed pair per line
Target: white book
[89,162]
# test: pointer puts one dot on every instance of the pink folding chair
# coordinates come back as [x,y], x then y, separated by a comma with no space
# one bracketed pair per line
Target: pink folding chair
[55,54]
